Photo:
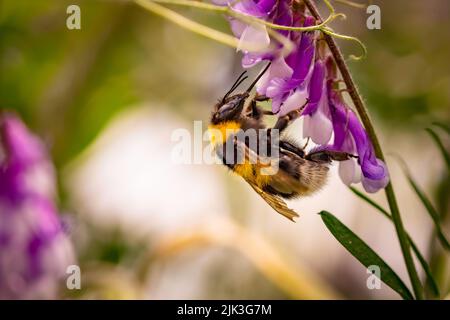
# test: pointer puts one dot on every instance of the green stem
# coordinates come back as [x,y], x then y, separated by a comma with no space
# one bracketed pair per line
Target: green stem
[227,10]
[188,24]
[353,4]
[330,32]
[362,111]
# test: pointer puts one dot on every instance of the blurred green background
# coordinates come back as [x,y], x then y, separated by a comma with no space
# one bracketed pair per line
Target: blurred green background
[106,98]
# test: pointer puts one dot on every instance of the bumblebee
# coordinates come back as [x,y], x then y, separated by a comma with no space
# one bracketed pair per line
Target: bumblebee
[296,173]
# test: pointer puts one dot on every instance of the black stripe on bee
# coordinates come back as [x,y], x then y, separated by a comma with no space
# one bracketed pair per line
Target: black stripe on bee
[269,189]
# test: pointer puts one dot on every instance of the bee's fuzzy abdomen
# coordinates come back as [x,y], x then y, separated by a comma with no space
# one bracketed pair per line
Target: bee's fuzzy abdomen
[313,175]
[290,167]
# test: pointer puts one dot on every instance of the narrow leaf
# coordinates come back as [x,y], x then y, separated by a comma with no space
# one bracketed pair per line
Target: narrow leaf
[442,126]
[371,202]
[427,204]
[431,211]
[364,254]
[433,284]
[440,145]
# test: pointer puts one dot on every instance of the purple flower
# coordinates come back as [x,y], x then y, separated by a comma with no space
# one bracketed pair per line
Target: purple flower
[281,15]
[290,93]
[34,251]
[303,78]
[317,122]
[254,36]
[350,136]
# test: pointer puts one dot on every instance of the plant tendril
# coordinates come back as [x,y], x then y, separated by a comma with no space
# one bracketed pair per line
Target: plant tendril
[228,10]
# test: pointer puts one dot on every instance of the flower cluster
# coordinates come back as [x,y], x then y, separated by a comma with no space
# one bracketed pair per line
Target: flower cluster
[305,79]
[34,250]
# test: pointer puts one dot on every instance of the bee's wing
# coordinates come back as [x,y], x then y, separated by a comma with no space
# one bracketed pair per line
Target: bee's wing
[275,202]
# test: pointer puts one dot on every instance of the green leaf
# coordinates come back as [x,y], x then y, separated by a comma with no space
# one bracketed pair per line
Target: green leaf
[442,126]
[433,284]
[430,209]
[364,254]
[440,145]
[427,204]
[371,202]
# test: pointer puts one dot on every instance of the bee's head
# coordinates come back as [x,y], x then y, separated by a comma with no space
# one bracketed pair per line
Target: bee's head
[230,107]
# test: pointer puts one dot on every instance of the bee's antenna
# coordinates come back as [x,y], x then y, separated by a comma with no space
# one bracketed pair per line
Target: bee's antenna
[239,83]
[236,84]
[257,78]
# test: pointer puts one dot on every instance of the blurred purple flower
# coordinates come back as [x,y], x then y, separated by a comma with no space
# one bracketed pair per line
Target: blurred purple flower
[34,251]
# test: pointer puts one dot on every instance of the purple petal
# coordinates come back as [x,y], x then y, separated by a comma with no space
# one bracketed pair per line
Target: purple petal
[250,59]
[283,16]
[267,6]
[316,88]
[373,185]
[302,59]
[276,92]
[351,136]
[251,8]
[293,90]
[278,69]
[349,171]
[294,101]
[237,26]
[318,127]
[254,37]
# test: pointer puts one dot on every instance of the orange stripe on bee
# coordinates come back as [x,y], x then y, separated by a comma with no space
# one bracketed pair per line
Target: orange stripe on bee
[252,172]
[219,133]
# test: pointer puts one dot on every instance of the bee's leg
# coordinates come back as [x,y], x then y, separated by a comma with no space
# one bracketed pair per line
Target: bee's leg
[292,148]
[281,124]
[268,113]
[257,111]
[261,98]
[329,155]
[254,111]
[284,121]
[306,143]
